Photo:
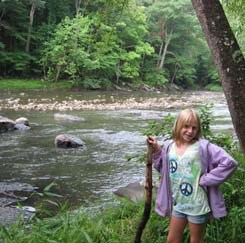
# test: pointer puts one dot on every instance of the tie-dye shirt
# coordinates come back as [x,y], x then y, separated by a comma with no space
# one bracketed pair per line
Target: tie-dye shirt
[185,171]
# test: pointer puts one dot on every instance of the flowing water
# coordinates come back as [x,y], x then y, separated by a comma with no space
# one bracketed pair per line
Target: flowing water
[91,174]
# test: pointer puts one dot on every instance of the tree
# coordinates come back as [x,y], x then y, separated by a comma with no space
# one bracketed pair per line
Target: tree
[35,4]
[176,36]
[228,59]
[13,23]
[78,5]
[94,50]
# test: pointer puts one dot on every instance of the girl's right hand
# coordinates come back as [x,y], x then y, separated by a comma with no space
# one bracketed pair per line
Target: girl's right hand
[153,141]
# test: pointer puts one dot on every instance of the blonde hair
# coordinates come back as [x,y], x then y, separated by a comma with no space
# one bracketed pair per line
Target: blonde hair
[186,117]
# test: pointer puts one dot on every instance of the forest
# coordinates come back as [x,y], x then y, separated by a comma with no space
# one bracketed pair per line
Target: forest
[105,44]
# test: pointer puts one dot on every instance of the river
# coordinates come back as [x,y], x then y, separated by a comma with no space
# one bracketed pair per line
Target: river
[112,129]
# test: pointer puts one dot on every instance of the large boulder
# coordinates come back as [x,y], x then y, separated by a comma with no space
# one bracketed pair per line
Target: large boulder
[9,215]
[11,193]
[6,124]
[22,124]
[133,191]
[68,141]
[16,187]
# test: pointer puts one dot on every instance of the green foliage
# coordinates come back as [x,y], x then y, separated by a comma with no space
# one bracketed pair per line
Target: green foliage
[231,229]
[110,42]
[95,83]
[48,203]
[154,76]
[173,26]
[163,128]
[18,61]
[236,8]
[93,53]
[206,118]
[225,140]
[214,87]
[235,14]
[206,73]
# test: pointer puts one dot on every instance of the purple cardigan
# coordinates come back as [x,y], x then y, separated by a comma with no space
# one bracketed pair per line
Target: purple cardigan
[217,166]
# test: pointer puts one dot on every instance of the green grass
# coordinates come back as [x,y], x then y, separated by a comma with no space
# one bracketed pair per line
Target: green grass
[117,224]
[214,87]
[19,84]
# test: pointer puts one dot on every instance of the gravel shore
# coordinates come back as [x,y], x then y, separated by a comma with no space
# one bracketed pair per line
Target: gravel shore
[186,100]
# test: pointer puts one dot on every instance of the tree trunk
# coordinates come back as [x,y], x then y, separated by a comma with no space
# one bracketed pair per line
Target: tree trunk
[77,6]
[164,52]
[160,53]
[148,187]
[58,71]
[163,57]
[28,41]
[228,59]
[176,68]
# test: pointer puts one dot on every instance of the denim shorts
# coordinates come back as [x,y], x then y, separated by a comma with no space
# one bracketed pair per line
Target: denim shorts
[195,219]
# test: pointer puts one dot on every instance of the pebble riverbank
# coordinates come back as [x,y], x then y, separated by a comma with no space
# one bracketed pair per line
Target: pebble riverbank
[187,99]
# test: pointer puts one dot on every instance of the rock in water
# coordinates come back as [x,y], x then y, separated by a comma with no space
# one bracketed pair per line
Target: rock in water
[21,127]
[22,120]
[6,124]
[68,141]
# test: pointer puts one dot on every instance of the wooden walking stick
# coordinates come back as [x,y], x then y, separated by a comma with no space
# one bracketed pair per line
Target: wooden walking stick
[148,188]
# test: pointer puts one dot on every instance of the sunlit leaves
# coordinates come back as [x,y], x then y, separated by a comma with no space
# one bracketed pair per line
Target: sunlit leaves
[90,48]
[237,9]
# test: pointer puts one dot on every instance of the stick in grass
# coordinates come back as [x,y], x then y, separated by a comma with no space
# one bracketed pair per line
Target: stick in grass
[148,188]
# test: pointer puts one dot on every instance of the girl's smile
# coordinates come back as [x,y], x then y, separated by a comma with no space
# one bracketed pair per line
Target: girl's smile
[188,132]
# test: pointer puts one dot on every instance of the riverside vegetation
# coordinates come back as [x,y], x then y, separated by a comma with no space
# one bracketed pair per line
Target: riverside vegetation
[118,222]
[103,44]
[22,84]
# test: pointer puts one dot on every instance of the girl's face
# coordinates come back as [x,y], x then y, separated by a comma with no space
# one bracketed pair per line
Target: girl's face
[188,132]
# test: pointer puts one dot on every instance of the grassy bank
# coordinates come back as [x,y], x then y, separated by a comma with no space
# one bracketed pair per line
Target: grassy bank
[20,84]
[118,223]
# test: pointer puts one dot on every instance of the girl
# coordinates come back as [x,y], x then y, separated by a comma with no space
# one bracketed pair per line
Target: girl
[192,169]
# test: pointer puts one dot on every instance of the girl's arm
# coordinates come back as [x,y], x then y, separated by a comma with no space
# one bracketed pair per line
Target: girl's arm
[221,166]
[157,161]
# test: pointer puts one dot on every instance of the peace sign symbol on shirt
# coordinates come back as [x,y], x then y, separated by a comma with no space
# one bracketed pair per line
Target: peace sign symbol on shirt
[173,166]
[186,188]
